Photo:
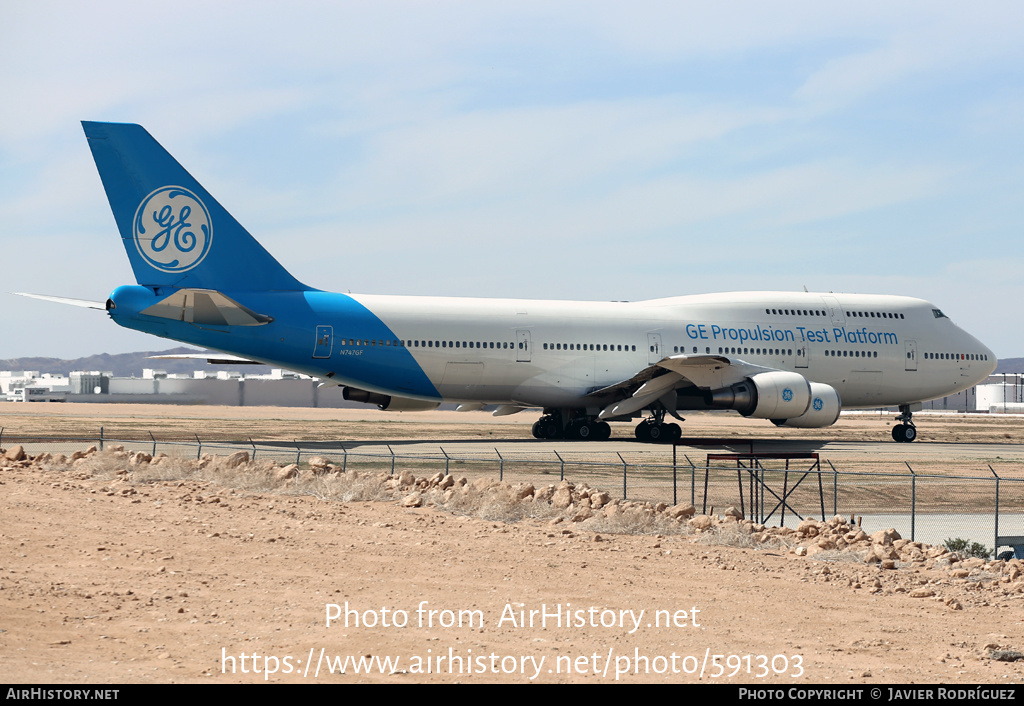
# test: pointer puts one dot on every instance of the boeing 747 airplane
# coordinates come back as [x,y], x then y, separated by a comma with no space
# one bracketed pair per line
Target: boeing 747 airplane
[795,359]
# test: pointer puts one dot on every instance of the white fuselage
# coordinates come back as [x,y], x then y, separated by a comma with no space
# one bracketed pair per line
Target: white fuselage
[875,350]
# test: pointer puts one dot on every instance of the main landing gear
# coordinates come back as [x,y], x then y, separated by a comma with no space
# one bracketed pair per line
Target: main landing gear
[905,431]
[655,430]
[551,426]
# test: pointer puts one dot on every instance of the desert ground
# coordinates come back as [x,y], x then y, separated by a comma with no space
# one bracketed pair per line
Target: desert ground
[117,568]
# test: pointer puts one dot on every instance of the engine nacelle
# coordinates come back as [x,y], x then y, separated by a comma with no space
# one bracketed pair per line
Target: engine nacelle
[387,402]
[774,395]
[823,411]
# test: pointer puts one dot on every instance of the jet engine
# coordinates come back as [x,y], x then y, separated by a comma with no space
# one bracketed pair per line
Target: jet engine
[387,402]
[822,412]
[774,395]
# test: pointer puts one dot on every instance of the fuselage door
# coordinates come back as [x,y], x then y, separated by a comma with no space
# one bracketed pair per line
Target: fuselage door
[324,342]
[911,355]
[654,348]
[803,356]
[523,345]
[835,311]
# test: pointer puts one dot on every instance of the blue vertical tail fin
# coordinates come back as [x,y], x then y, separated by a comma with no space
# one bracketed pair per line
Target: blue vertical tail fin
[174,231]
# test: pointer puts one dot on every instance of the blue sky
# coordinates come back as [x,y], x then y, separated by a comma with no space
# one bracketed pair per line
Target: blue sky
[579,150]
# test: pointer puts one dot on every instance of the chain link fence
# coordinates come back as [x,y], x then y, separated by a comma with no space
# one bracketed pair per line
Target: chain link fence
[772,489]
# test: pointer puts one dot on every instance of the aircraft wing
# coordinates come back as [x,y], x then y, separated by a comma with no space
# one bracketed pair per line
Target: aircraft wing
[656,381]
[211,357]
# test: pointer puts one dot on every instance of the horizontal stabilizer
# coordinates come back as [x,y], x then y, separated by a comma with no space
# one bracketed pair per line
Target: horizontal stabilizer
[205,307]
[84,303]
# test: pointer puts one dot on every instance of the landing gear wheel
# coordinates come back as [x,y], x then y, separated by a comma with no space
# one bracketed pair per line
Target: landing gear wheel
[604,431]
[654,432]
[584,431]
[904,433]
[643,431]
[547,427]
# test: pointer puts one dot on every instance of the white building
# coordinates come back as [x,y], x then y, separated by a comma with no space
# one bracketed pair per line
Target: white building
[1002,394]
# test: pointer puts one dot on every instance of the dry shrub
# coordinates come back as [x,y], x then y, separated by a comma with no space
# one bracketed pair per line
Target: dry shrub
[342,487]
[497,504]
[736,534]
[164,468]
[635,521]
[102,464]
[58,462]
[255,476]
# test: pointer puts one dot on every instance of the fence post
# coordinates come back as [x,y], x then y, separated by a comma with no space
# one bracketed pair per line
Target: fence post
[675,494]
[1,437]
[501,466]
[623,474]
[561,473]
[199,450]
[707,472]
[101,438]
[446,459]
[995,540]
[675,498]
[835,489]
[913,501]
[693,481]
[154,442]
[298,451]
[344,459]
[251,443]
[392,458]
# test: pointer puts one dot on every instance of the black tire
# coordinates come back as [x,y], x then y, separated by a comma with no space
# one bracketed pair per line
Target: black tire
[656,433]
[897,433]
[675,432]
[584,431]
[909,433]
[604,431]
[643,432]
[538,429]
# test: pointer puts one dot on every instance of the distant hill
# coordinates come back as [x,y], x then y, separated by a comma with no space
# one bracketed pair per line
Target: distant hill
[1010,365]
[126,365]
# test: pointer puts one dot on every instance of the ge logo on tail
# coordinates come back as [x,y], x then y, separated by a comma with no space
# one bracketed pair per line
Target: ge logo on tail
[172,229]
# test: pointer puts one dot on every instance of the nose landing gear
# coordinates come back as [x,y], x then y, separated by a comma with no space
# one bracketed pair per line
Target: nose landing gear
[905,431]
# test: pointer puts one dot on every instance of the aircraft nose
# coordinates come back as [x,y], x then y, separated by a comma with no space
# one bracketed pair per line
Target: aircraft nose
[990,357]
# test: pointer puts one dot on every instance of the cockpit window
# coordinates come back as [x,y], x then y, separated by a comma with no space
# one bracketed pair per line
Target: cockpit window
[938,314]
